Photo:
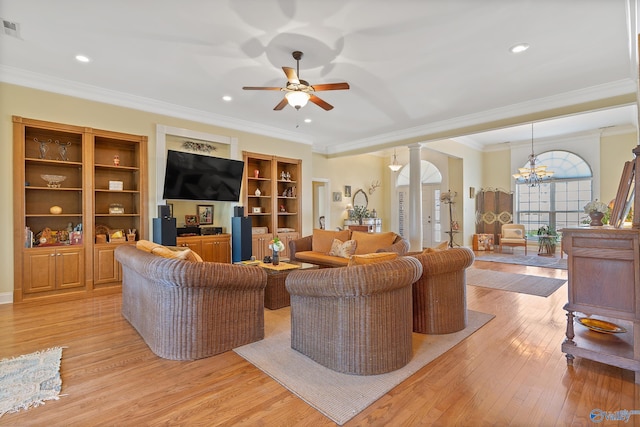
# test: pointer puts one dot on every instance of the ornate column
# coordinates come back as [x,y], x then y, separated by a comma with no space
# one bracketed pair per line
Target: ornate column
[415,198]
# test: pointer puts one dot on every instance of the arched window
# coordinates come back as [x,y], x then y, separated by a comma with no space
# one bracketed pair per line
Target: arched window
[559,202]
[429,174]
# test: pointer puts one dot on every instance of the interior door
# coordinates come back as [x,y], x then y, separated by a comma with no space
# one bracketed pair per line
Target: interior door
[431,215]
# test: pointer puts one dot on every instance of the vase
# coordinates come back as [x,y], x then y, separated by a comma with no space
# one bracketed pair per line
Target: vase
[596,219]
[275,259]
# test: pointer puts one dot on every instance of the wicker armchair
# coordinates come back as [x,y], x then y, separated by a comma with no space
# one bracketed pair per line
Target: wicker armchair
[190,310]
[440,295]
[354,320]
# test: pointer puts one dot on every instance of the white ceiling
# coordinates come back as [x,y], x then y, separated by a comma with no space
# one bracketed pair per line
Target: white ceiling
[416,68]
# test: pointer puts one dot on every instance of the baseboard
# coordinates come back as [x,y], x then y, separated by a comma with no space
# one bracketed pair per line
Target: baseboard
[6,297]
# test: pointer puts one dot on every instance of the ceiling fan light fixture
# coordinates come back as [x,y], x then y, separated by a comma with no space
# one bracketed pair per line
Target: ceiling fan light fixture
[297,99]
[395,166]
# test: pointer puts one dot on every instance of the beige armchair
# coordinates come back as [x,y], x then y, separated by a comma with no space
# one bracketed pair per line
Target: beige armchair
[513,235]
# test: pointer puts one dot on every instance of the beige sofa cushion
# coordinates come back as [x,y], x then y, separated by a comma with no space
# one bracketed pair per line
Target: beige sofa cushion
[372,258]
[513,233]
[165,252]
[441,247]
[370,242]
[343,249]
[323,239]
[321,259]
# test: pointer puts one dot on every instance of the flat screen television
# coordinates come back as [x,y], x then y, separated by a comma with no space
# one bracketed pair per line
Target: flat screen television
[191,176]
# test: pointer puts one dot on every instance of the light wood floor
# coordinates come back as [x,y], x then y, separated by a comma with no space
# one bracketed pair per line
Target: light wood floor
[510,372]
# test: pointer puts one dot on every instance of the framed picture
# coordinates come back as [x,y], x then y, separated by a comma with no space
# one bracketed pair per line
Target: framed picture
[347,191]
[191,220]
[337,196]
[205,214]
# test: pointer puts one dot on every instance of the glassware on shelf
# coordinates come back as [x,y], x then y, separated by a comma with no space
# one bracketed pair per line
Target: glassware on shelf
[44,147]
[62,149]
[53,180]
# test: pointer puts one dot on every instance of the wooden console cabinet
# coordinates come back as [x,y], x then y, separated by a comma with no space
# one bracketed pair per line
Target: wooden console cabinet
[604,283]
[214,248]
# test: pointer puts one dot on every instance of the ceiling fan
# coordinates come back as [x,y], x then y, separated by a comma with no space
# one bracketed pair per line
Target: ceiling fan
[298,91]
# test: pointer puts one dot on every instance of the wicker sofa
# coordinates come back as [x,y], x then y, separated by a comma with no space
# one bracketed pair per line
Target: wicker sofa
[439,296]
[354,320]
[315,249]
[190,310]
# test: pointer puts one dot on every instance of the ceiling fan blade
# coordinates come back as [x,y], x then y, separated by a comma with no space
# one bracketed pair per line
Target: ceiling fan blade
[320,103]
[331,86]
[281,105]
[292,76]
[260,88]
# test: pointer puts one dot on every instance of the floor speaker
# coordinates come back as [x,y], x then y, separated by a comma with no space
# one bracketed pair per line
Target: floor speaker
[165,231]
[241,243]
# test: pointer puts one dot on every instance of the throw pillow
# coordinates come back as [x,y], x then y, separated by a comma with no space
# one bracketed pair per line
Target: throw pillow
[343,249]
[323,239]
[372,258]
[371,242]
[145,245]
[443,246]
[512,233]
[163,251]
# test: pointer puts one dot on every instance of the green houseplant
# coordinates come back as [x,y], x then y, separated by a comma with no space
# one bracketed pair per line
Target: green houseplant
[359,213]
[547,240]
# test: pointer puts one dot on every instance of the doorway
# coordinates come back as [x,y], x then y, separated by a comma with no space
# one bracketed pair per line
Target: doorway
[321,203]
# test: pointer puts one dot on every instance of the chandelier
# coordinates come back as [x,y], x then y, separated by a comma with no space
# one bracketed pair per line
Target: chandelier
[395,166]
[533,174]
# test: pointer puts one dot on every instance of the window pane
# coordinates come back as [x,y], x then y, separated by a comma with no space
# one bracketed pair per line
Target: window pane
[558,203]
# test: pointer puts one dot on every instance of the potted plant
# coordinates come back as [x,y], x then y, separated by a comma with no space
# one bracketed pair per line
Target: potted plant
[596,211]
[359,213]
[547,240]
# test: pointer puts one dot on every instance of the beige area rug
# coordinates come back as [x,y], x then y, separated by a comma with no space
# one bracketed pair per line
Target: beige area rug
[29,380]
[522,283]
[340,396]
[531,260]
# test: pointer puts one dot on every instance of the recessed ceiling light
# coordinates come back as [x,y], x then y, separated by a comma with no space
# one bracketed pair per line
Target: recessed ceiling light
[226,98]
[519,48]
[307,120]
[82,58]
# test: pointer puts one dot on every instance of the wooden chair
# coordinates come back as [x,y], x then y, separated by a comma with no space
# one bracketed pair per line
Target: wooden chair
[513,235]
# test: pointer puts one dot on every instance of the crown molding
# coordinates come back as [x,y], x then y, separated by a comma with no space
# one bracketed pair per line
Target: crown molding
[449,127]
[38,81]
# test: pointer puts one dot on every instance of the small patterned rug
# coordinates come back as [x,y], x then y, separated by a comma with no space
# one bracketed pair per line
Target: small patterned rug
[27,381]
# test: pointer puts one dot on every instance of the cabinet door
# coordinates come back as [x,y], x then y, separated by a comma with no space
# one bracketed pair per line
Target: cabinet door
[208,250]
[260,245]
[222,249]
[39,271]
[286,238]
[195,244]
[69,268]
[105,267]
